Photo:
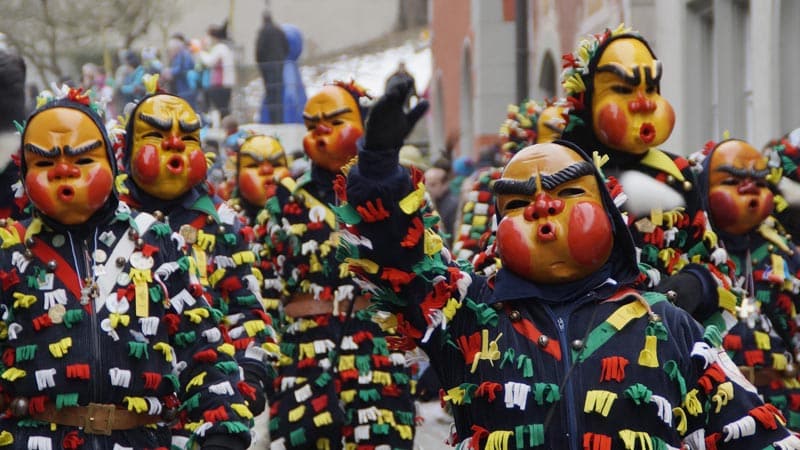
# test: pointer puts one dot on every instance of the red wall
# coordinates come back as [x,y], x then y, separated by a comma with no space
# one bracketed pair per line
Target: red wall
[450,26]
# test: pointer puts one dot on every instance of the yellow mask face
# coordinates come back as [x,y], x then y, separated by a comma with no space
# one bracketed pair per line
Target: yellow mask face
[262,163]
[334,125]
[166,158]
[554,227]
[551,124]
[738,195]
[628,112]
[69,176]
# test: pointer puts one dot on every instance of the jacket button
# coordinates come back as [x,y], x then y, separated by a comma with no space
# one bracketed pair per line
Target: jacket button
[120,261]
[577,344]
[543,341]
[19,407]
[51,265]
[515,316]
[498,306]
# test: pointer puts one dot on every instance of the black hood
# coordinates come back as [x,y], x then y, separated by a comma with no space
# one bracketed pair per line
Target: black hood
[582,133]
[110,207]
[622,265]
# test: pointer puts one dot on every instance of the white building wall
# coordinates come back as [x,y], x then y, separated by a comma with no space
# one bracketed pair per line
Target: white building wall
[494,63]
[727,66]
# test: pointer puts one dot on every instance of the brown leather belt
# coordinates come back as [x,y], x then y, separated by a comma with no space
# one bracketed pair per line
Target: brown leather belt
[762,376]
[96,418]
[304,304]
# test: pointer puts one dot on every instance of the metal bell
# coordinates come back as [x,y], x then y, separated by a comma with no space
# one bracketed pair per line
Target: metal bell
[19,407]
[515,316]
[577,344]
[51,265]
[543,341]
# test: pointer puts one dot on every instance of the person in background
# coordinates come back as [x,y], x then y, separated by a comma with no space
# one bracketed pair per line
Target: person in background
[784,159]
[294,91]
[221,62]
[324,306]
[12,109]
[180,68]
[438,185]
[166,176]
[272,48]
[131,87]
[765,342]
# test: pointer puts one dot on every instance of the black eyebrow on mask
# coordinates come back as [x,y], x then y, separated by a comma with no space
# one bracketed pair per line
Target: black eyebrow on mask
[338,112]
[549,182]
[253,155]
[33,148]
[156,122]
[188,127]
[82,149]
[619,71]
[649,79]
[743,173]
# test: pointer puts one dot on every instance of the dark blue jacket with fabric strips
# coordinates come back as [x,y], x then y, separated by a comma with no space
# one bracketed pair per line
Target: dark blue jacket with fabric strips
[590,364]
[104,314]
[222,266]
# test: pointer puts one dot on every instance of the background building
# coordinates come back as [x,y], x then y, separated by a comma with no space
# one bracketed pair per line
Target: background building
[728,64]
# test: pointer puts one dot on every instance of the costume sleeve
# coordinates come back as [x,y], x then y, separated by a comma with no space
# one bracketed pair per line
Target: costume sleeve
[236,291]
[207,375]
[720,408]
[389,241]
[681,243]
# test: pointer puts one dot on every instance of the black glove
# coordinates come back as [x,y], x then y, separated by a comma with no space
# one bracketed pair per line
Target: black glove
[258,404]
[226,442]
[685,290]
[387,124]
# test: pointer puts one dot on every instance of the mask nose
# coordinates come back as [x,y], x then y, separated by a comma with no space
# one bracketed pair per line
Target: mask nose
[266,169]
[173,143]
[543,206]
[63,170]
[321,128]
[641,104]
[748,186]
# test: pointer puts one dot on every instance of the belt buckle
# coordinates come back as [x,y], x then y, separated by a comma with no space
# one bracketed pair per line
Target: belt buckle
[749,373]
[99,419]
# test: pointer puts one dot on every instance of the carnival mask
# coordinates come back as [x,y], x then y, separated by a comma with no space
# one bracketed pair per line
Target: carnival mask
[551,124]
[554,227]
[69,176]
[334,125]
[166,158]
[738,195]
[628,112]
[261,164]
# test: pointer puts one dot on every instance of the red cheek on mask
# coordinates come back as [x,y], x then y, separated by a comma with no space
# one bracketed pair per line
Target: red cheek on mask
[39,192]
[197,167]
[767,206]
[308,144]
[514,248]
[146,164]
[612,123]
[347,139]
[249,186]
[100,182]
[724,210]
[590,237]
